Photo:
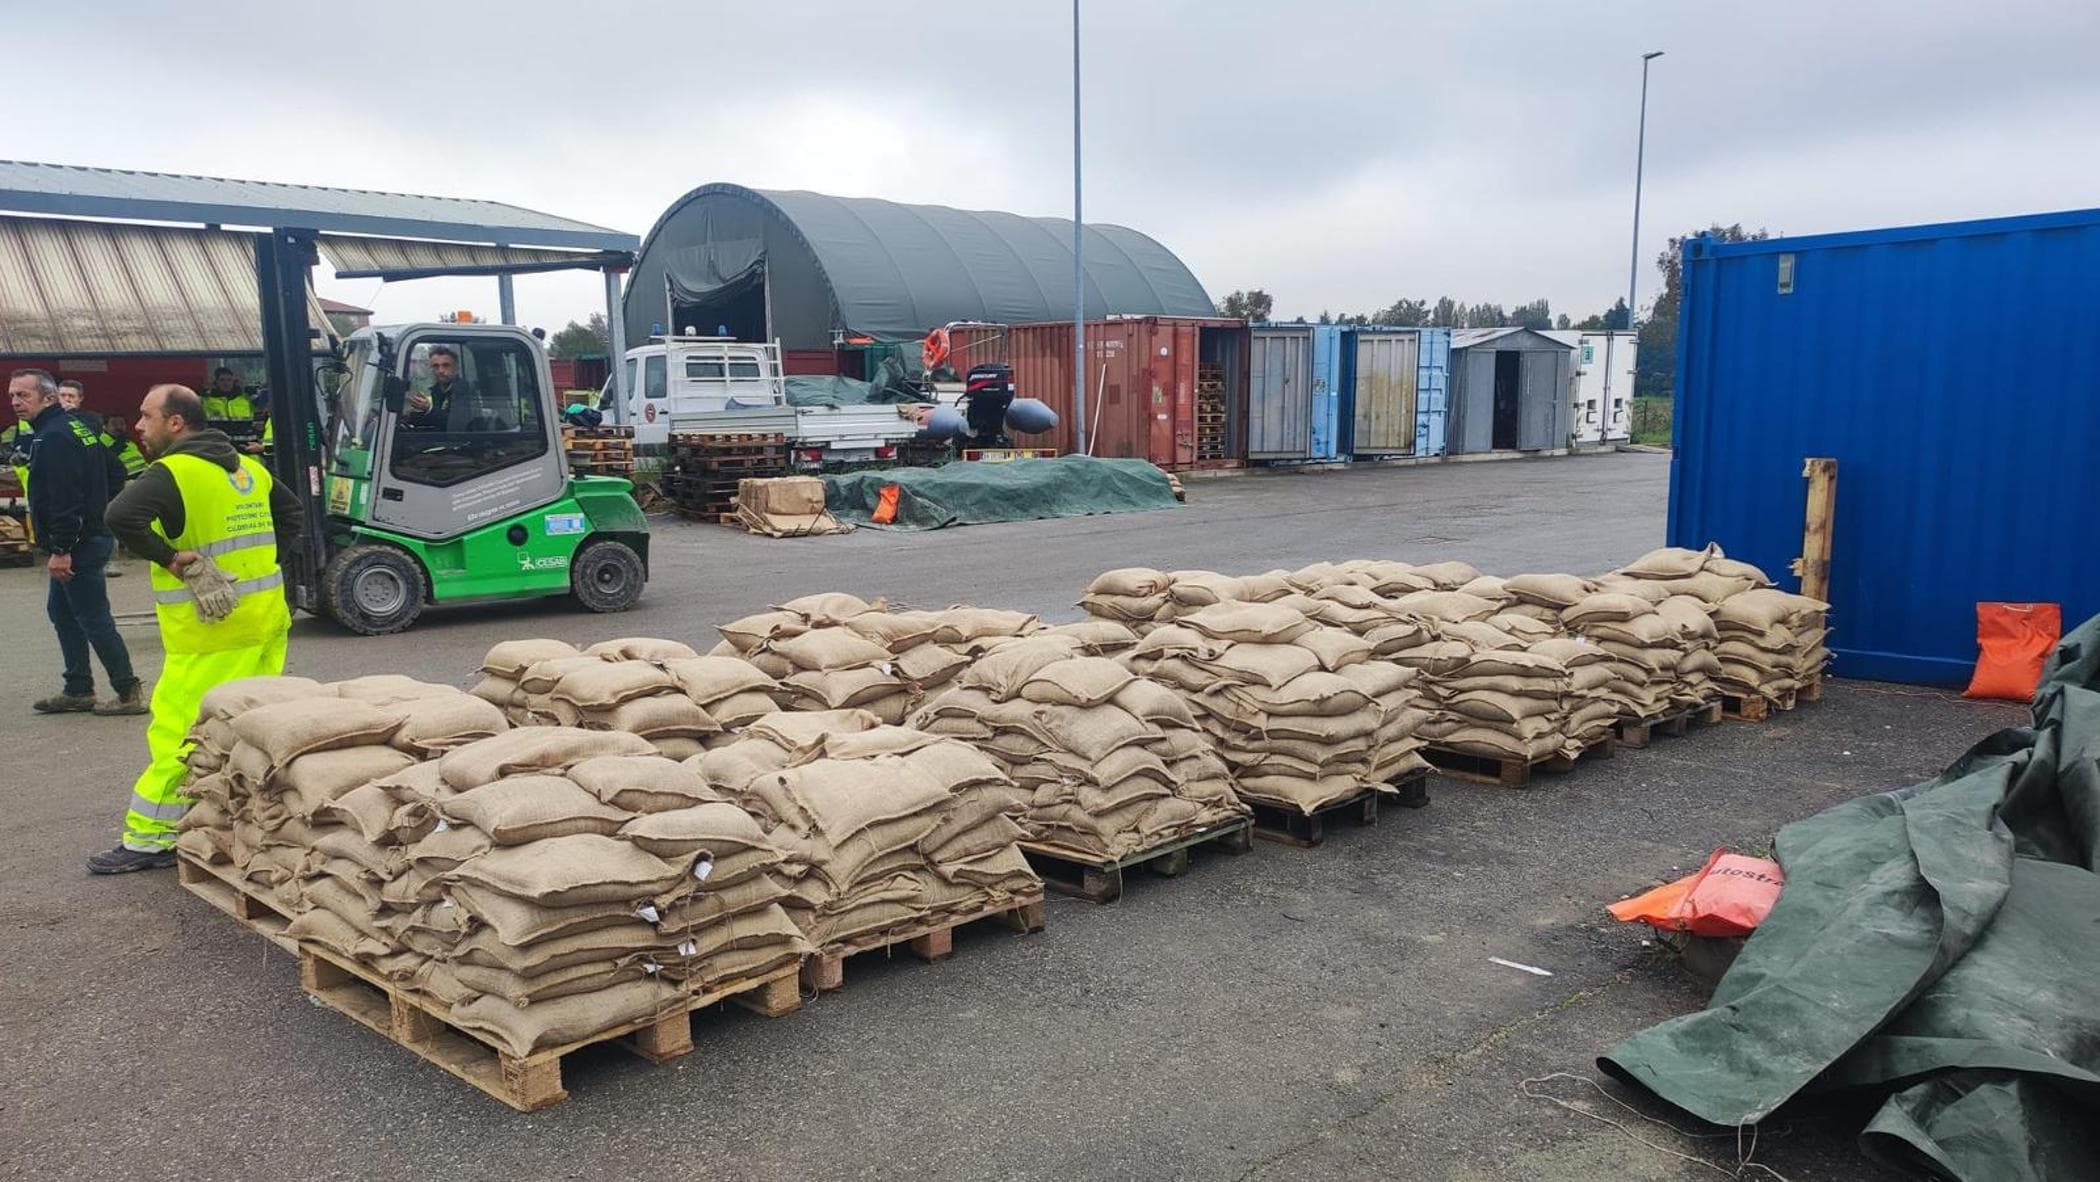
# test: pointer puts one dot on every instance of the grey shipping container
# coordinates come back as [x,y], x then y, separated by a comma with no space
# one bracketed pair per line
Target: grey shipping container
[1280,394]
[1511,390]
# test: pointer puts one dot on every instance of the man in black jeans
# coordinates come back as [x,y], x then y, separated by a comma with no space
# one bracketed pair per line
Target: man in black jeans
[70,478]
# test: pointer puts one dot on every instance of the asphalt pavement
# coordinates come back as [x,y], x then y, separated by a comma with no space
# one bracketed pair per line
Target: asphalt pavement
[1287,1014]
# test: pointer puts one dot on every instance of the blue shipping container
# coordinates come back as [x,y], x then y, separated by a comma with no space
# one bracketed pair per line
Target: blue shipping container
[1294,372]
[1382,411]
[1954,373]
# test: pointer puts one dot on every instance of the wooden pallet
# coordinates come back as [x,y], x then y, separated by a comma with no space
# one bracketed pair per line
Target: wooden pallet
[220,887]
[934,940]
[702,441]
[422,1024]
[1290,826]
[1636,733]
[1088,876]
[531,1082]
[1757,707]
[1511,773]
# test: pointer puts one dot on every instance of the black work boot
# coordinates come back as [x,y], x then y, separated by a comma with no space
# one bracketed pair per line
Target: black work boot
[124,861]
[64,704]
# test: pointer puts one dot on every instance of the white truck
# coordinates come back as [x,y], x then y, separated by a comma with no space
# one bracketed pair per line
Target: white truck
[681,384]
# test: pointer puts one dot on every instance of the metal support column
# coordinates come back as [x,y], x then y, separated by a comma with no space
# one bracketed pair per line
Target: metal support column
[506,300]
[284,259]
[616,365]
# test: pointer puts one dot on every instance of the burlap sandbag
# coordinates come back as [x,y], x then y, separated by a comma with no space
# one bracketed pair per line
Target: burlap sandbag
[1256,623]
[1131,582]
[843,797]
[283,731]
[658,716]
[564,871]
[829,608]
[528,808]
[1479,634]
[748,634]
[511,658]
[440,724]
[609,683]
[312,781]
[957,767]
[1153,703]
[243,694]
[523,1030]
[1669,562]
[841,688]
[1202,588]
[390,689]
[1766,607]
[1077,681]
[741,710]
[713,828]
[642,783]
[832,648]
[642,648]
[1549,590]
[968,626]
[532,749]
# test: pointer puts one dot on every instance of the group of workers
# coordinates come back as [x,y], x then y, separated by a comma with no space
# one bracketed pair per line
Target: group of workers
[205,514]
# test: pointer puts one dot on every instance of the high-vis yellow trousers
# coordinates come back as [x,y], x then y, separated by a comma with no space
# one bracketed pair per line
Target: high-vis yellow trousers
[157,802]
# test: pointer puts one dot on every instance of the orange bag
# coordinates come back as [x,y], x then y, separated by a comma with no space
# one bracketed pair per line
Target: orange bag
[2015,639]
[1729,896]
[886,505]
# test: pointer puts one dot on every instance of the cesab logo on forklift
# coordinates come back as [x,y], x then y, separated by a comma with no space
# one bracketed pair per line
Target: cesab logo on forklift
[527,562]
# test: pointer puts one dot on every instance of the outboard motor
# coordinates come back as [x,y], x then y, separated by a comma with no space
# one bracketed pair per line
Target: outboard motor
[988,391]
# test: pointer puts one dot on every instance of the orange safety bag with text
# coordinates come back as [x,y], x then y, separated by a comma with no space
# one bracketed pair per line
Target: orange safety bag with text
[2013,642]
[1729,896]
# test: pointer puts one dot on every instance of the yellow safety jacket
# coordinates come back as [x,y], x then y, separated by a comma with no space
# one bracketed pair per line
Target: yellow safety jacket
[226,517]
[225,408]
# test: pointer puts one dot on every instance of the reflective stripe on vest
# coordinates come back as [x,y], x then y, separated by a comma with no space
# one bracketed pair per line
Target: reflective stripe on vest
[225,515]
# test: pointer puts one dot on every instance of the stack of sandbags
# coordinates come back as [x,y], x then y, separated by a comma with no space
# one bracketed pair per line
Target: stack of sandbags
[1507,700]
[1299,711]
[1136,597]
[882,828]
[1770,643]
[616,685]
[836,651]
[1114,764]
[1645,646]
[1685,585]
[569,881]
[542,883]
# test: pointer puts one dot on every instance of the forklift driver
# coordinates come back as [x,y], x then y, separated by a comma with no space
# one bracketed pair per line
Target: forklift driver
[433,410]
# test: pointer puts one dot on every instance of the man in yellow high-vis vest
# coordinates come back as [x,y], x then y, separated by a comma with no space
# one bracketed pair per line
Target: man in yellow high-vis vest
[199,499]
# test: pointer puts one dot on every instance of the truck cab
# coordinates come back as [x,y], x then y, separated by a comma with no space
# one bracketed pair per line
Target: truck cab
[446,482]
[683,377]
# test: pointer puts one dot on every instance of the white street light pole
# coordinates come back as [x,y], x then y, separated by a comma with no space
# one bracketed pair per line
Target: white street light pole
[1633,270]
[1078,264]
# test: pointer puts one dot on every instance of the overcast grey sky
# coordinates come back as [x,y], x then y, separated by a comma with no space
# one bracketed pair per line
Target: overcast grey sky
[1339,155]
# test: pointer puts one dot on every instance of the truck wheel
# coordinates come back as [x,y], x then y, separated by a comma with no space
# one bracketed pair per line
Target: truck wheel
[607,576]
[373,590]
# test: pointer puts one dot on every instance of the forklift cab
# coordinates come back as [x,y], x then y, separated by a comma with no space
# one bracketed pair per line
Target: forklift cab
[446,482]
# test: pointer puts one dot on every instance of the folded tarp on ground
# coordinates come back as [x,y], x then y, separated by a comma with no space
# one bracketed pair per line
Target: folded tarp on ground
[972,493]
[1935,948]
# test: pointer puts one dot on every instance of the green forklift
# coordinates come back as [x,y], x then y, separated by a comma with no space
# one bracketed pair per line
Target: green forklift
[444,482]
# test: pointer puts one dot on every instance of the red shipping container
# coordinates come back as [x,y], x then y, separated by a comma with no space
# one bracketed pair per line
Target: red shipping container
[822,363]
[1141,386]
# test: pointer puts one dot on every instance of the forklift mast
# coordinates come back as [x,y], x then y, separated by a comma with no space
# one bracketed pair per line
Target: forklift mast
[284,260]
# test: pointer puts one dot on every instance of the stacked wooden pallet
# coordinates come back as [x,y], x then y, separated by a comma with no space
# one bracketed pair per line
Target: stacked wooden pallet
[599,451]
[14,541]
[1210,413]
[703,472]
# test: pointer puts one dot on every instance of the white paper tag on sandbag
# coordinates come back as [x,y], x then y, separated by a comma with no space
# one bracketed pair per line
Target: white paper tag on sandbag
[689,948]
[702,868]
[651,968]
[648,913]
[441,826]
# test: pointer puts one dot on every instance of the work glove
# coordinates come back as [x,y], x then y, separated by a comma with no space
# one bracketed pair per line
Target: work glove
[212,590]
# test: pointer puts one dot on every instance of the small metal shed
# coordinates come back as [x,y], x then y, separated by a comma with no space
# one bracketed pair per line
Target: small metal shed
[1511,390]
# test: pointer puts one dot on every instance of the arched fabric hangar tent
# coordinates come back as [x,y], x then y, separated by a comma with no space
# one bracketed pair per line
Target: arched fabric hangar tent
[805,267]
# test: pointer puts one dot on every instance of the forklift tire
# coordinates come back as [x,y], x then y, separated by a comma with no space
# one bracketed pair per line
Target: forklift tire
[373,589]
[607,576]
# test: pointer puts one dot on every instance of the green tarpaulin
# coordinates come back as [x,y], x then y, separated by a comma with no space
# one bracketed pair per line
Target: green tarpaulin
[968,493]
[1937,950]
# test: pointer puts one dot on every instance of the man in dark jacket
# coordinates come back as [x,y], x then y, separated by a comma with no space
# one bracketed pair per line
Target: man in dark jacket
[199,505]
[70,475]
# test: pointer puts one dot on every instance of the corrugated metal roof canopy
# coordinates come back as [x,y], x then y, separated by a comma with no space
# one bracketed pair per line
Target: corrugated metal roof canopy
[400,258]
[104,289]
[72,191]
[896,270]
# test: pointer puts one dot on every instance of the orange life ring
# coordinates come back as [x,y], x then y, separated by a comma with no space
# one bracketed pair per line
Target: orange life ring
[934,352]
